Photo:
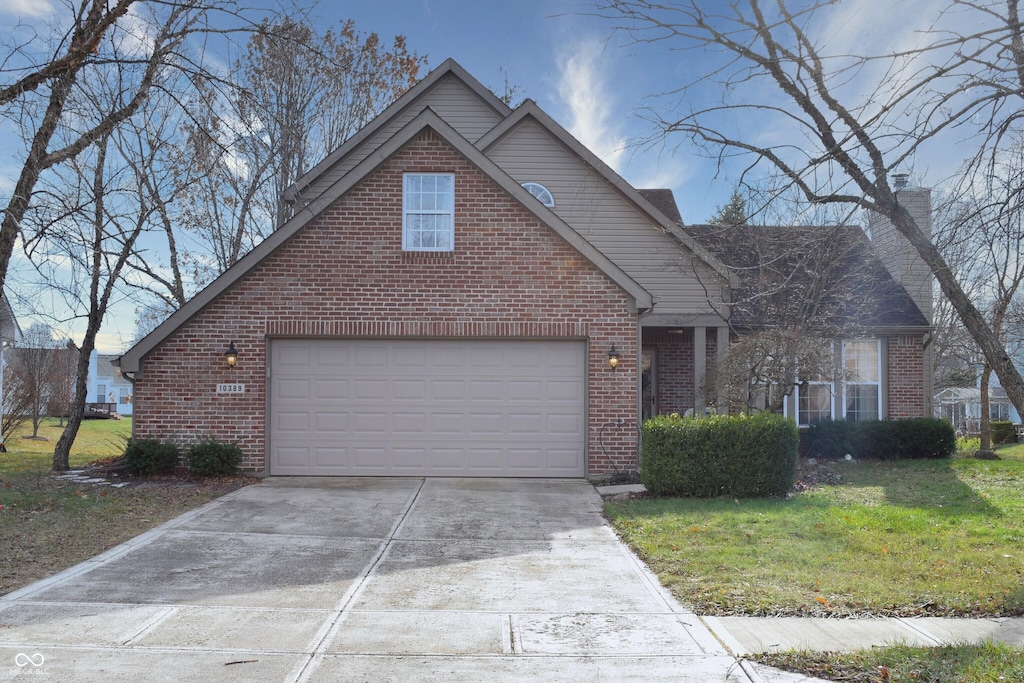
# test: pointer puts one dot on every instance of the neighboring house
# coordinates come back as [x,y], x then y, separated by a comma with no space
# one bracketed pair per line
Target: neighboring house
[962,407]
[449,299]
[10,334]
[105,384]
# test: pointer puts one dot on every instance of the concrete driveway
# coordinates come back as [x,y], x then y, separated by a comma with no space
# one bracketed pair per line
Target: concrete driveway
[366,579]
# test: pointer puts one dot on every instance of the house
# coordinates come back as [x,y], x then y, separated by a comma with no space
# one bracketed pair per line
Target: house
[464,290]
[962,407]
[10,333]
[106,385]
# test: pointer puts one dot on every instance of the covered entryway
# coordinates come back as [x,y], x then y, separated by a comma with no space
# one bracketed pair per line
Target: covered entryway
[427,407]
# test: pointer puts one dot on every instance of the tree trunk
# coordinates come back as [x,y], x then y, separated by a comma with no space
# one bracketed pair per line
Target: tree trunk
[62,451]
[987,339]
[986,415]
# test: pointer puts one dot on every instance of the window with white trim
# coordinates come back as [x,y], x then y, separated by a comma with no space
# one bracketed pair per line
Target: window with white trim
[542,193]
[814,402]
[428,212]
[862,390]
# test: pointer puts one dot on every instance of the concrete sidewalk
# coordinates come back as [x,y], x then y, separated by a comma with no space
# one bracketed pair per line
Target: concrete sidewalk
[750,635]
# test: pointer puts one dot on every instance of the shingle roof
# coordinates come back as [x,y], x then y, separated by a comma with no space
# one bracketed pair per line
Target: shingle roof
[664,201]
[821,276]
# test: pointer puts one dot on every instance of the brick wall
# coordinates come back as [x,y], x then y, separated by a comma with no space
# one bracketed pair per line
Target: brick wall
[674,368]
[906,377]
[345,274]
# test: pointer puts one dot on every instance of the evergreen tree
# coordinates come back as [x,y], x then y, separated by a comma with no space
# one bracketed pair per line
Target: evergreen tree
[734,212]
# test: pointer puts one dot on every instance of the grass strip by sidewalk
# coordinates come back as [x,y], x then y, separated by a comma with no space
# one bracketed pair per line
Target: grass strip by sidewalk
[983,663]
[902,538]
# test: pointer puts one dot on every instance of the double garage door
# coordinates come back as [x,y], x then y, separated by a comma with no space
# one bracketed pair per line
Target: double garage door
[486,408]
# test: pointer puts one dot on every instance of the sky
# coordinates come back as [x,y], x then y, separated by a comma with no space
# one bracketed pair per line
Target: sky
[587,77]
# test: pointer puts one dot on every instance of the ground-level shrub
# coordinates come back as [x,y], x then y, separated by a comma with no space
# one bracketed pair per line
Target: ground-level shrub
[723,455]
[210,457]
[150,456]
[907,439]
[1003,432]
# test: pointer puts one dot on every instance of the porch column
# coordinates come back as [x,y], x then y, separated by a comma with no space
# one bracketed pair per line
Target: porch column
[700,368]
[723,344]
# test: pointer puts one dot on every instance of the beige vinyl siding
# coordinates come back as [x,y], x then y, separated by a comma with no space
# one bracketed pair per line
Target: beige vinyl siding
[449,98]
[678,279]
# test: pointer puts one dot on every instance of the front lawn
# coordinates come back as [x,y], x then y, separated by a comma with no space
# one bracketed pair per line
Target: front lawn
[96,440]
[893,538]
[47,525]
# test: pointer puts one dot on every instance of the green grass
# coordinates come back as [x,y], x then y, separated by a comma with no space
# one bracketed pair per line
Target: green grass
[983,663]
[895,538]
[96,440]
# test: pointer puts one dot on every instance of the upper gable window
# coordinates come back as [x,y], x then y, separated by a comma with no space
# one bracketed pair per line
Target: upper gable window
[542,193]
[428,215]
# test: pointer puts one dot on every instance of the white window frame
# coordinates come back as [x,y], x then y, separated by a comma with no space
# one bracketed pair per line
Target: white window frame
[831,400]
[856,381]
[411,208]
[542,193]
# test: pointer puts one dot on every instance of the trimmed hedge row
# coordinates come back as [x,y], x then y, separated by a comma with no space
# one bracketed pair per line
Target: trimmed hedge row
[1003,432]
[908,439]
[208,457]
[743,456]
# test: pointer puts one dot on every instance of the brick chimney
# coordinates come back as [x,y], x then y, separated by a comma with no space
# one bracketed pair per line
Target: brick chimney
[901,259]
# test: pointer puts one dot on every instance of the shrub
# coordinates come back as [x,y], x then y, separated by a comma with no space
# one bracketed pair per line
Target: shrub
[908,439]
[722,455]
[210,457]
[831,439]
[967,445]
[150,456]
[1003,432]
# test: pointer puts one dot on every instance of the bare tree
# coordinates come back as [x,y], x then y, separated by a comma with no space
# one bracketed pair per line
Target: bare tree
[800,288]
[99,39]
[298,94]
[16,406]
[35,378]
[982,237]
[845,143]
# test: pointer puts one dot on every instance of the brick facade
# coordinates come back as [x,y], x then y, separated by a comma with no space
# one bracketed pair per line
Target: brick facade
[345,275]
[906,385]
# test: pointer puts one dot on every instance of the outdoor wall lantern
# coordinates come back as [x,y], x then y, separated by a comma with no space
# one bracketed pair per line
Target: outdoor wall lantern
[231,355]
[613,358]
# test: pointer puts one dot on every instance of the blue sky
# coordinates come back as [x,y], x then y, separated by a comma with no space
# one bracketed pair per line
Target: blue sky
[590,80]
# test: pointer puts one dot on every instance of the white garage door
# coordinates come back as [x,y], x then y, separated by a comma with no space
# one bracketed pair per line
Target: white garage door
[427,408]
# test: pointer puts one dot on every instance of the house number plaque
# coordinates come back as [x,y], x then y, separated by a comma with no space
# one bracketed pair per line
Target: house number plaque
[231,388]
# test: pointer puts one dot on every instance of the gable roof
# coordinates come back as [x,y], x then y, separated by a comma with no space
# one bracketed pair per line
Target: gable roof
[448,68]
[670,224]
[426,119]
[828,277]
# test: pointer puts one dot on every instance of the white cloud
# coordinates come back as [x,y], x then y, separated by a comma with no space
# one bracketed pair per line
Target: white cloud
[582,85]
[36,9]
